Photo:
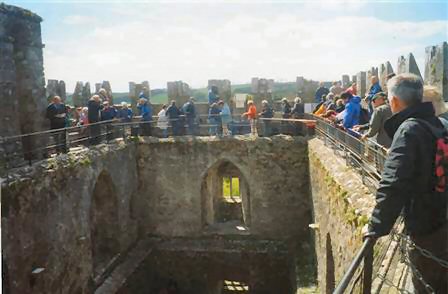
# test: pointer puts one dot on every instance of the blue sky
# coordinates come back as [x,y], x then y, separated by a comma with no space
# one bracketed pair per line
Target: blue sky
[193,41]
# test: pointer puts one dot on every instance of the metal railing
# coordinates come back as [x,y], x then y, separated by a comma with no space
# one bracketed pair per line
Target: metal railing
[365,156]
[21,150]
[391,266]
[364,255]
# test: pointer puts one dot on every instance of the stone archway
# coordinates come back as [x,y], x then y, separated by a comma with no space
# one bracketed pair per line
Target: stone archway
[104,225]
[225,195]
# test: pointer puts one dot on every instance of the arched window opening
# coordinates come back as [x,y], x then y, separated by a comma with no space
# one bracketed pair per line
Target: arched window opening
[104,228]
[225,198]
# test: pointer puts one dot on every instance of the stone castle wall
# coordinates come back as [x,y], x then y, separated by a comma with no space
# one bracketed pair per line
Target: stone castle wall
[156,185]
[341,207]
[22,83]
[46,217]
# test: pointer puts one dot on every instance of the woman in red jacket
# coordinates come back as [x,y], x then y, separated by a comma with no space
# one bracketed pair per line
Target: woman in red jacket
[251,116]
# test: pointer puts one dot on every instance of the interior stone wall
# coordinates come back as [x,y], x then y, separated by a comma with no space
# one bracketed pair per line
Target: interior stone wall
[46,221]
[341,207]
[172,171]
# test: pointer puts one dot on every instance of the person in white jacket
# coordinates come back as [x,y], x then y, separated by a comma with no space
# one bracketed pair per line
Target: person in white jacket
[162,121]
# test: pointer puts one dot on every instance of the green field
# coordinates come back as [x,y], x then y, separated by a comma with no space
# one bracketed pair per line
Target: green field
[235,187]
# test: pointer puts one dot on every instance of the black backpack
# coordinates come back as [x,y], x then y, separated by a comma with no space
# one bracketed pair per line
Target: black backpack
[364,116]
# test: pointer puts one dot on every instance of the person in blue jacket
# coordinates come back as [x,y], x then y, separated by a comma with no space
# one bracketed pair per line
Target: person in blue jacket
[143,94]
[374,89]
[108,112]
[214,119]
[352,110]
[146,112]
[125,114]
[321,91]
[189,110]
[213,96]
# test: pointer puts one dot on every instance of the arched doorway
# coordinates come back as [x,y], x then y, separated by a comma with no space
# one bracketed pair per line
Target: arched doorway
[104,228]
[225,197]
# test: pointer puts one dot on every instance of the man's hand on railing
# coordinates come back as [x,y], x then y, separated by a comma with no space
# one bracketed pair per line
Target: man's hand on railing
[368,234]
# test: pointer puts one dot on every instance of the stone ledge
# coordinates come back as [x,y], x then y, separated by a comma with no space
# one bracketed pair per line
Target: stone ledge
[355,194]
[15,11]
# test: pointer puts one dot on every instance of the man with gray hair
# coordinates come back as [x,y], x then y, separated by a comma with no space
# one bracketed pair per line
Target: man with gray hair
[408,183]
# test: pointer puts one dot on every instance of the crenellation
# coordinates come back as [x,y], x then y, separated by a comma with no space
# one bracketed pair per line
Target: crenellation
[178,91]
[56,88]
[436,68]
[22,74]
[345,81]
[361,83]
[385,70]
[408,65]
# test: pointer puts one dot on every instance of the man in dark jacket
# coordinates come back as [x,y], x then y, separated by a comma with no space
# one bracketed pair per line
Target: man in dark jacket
[93,114]
[321,91]
[408,183]
[189,110]
[56,113]
[173,113]
[268,113]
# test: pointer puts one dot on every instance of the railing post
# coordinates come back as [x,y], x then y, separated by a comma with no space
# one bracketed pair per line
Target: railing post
[368,269]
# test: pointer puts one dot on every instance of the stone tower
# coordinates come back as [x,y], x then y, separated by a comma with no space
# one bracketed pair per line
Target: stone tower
[22,82]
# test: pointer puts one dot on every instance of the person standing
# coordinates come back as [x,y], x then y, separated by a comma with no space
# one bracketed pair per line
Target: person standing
[56,113]
[214,119]
[162,121]
[173,113]
[352,110]
[336,89]
[374,89]
[146,113]
[226,117]
[94,107]
[267,113]
[125,114]
[352,89]
[251,115]
[286,114]
[298,109]
[213,96]
[409,184]
[381,113]
[189,111]
[321,91]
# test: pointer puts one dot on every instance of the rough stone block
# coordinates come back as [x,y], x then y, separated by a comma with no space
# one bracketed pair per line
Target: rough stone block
[178,91]
[345,81]
[408,65]
[224,90]
[361,83]
[300,83]
[254,85]
[384,71]
[436,67]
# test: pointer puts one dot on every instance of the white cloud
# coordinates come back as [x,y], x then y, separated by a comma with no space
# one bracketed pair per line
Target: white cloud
[78,20]
[183,43]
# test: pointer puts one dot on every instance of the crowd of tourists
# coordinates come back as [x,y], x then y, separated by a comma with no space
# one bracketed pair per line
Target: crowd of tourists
[362,117]
[407,118]
[411,121]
